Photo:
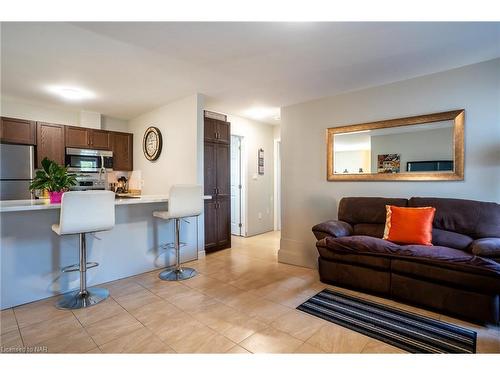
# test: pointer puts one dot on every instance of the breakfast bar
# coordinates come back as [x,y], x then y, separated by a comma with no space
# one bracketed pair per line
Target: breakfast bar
[32,255]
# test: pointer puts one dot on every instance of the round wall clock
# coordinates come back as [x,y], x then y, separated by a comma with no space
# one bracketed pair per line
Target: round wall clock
[152,143]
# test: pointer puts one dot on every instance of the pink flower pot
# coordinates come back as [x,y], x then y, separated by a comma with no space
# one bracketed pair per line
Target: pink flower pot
[55,196]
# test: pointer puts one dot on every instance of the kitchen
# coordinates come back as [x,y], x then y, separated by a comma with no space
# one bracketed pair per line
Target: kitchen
[33,256]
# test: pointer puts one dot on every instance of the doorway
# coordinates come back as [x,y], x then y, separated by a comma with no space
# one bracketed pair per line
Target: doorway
[237,187]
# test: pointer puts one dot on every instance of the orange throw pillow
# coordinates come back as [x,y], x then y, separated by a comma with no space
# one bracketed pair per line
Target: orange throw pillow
[409,225]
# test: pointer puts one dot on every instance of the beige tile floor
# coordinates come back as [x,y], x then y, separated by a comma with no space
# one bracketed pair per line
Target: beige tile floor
[242,301]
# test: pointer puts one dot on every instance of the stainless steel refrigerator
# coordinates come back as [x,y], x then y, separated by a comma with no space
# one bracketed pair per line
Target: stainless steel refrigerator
[16,171]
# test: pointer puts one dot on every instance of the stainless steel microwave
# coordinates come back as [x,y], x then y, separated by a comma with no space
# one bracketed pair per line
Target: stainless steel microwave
[85,160]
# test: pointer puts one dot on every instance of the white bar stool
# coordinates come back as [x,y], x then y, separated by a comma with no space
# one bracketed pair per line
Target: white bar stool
[183,201]
[84,212]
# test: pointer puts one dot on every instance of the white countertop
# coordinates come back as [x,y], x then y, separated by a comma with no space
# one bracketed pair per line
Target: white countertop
[44,204]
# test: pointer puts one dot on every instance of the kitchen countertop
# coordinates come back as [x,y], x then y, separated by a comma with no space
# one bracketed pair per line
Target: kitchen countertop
[44,204]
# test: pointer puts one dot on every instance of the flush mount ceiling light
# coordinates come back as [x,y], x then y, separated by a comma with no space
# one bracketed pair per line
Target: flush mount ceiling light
[71,93]
[261,113]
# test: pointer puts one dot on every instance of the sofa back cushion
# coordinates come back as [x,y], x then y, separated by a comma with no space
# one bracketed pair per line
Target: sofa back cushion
[372,230]
[465,217]
[447,238]
[366,210]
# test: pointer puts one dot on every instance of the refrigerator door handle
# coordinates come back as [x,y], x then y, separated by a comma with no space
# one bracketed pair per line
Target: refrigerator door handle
[32,159]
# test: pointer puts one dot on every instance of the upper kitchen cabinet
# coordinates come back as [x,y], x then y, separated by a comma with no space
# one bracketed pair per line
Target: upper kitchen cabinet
[17,131]
[100,139]
[50,142]
[122,146]
[217,131]
[79,137]
[223,131]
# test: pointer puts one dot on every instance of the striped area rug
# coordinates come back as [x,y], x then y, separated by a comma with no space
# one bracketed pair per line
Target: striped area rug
[411,332]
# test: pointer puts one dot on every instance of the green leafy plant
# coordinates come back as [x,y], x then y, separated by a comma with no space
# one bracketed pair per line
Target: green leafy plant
[53,177]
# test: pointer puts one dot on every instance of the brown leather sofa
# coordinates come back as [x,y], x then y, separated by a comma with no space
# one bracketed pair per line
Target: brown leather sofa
[459,275]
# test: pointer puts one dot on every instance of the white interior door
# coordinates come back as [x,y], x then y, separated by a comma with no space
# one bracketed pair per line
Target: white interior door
[236,185]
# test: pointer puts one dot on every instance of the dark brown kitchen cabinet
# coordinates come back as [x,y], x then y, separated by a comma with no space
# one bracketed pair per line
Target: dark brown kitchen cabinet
[223,131]
[122,145]
[50,142]
[210,168]
[224,222]
[13,130]
[217,184]
[100,139]
[210,213]
[77,137]
[217,131]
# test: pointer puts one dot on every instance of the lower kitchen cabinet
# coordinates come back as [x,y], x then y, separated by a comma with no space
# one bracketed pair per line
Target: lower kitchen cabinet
[217,224]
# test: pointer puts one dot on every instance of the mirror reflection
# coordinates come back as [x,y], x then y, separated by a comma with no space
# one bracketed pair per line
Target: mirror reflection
[418,148]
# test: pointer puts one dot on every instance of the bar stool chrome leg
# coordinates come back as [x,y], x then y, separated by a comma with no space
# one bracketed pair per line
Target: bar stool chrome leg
[85,296]
[178,273]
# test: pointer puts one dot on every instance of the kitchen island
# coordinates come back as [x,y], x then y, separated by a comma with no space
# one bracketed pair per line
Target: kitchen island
[32,255]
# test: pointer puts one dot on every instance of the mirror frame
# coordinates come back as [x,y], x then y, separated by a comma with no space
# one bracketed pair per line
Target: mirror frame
[458,117]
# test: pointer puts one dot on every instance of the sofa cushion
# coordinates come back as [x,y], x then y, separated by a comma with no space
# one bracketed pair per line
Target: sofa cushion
[373,230]
[362,259]
[357,210]
[362,244]
[455,258]
[448,274]
[473,218]
[440,255]
[446,238]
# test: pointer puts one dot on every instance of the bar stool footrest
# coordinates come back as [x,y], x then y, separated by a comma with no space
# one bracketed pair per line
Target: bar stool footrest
[76,267]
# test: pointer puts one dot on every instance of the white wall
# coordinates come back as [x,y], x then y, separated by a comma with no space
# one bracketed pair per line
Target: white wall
[114,124]
[178,161]
[181,159]
[352,161]
[308,198]
[25,109]
[259,188]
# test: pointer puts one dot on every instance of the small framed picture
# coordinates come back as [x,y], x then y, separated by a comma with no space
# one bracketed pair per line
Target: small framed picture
[260,161]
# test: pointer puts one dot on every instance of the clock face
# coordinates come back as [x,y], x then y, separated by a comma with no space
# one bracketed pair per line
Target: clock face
[152,143]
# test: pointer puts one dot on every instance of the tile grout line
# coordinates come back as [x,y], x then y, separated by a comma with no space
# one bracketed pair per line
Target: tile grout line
[18,328]
[133,316]
[85,329]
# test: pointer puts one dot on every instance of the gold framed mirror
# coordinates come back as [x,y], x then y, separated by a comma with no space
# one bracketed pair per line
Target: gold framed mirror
[419,148]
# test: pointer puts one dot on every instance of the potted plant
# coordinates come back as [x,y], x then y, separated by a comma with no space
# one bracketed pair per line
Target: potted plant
[54,178]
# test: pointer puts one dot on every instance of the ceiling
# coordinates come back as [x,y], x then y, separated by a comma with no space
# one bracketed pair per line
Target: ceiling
[135,67]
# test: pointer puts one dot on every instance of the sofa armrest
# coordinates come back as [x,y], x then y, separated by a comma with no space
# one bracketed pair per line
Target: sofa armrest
[486,247]
[332,228]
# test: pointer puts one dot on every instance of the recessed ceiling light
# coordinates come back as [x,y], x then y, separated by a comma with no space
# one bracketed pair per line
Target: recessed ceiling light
[71,93]
[261,113]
